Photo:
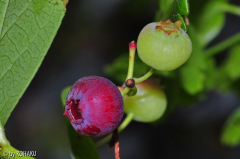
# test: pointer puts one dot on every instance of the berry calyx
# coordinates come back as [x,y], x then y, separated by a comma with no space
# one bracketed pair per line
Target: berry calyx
[168,27]
[130,83]
[164,45]
[94,106]
[148,104]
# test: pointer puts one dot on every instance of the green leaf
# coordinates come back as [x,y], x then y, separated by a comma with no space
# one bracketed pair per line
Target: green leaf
[226,76]
[183,7]
[211,74]
[64,95]
[27,29]
[232,64]
[192,79]
[198,57]
[165,10]
[210,22]
[176,95]
[82,147]
[179,17]
[119,67]
[231,131]
[192,74]
[217,78]
[176,14]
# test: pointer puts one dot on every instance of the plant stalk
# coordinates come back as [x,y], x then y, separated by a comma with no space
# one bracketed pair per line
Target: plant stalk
[223,45]
[124,124]
[146,76]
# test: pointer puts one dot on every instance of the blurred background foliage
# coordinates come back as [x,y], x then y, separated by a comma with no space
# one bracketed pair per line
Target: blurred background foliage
[93,40]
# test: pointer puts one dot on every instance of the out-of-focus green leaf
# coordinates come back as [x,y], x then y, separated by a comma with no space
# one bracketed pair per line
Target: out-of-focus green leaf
[216,77]
[220,80]
[231,131]
[210,22]
[27,29]
[197,58]
[165,10]
[82,147]
[211,74]
[232,64]
[64,95]
[193,79]
[225,76]
[176,95]
[183,7]
[118,69]
[192,74]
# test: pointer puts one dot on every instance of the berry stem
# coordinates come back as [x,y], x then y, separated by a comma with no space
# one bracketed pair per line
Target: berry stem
[124,124]
[146,76]
[125,91]
[222,45]
[132,50]
[126,121]
[116,144]
[230,8]
[117,149]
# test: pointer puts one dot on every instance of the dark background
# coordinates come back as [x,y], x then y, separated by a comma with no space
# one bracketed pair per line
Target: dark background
[93,33]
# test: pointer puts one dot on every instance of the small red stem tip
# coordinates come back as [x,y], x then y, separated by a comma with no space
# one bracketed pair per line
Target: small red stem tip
[117,156]
[132,45]
[115,142]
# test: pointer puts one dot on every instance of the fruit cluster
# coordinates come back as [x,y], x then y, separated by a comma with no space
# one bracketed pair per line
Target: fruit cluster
[95,106]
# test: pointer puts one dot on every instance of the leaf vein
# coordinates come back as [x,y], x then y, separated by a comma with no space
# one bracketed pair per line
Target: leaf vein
[1,27]
[24,10]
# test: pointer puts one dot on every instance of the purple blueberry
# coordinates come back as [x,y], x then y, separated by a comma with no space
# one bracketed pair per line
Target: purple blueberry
[94,106]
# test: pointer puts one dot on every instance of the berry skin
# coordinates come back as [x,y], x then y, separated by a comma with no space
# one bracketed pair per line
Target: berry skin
[164,45]
[94,106]
[148,104]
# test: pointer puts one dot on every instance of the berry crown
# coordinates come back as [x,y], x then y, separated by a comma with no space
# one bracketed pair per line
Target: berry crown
[168,27]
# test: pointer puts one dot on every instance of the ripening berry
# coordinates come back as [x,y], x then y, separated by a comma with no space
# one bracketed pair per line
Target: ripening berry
[94,106]
[148,104]
[164,45]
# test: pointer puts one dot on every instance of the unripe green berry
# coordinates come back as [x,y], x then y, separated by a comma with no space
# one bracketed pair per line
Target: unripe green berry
[148,104]
[164,45]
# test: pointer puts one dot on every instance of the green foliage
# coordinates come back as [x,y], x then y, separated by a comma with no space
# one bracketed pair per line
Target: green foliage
[209,22]
[64,94]
[118,69]
[232,63]
[231,131]
[27,29]
[181,8]
[82,147]
[192,74]
[216,77]
[192,79]
[165,10]
[179,17]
